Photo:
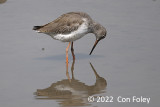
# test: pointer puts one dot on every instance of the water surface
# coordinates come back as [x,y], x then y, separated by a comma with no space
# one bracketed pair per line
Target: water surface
[127,61]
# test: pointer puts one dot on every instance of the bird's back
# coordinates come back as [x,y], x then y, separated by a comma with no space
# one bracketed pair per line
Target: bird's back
[65,24]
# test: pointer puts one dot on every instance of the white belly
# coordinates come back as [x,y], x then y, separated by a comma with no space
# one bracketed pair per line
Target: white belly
[80,32]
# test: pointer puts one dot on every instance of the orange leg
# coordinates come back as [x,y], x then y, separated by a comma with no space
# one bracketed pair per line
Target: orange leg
[72,50]
[67,53]
[72,68]
[67,60]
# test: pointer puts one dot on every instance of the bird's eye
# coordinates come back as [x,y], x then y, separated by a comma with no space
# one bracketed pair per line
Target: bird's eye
[102,37]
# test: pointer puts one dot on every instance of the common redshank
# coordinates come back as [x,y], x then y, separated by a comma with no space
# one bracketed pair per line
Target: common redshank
[72,26]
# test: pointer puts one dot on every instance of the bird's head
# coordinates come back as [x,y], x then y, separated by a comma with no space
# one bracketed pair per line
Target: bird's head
[100,33]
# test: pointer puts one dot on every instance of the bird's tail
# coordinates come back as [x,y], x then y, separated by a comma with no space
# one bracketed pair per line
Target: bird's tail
[37,27]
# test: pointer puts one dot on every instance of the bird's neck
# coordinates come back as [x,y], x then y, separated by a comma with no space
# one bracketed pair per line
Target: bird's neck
[95,26]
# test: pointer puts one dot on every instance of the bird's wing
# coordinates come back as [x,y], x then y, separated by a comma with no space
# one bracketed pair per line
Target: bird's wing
[63,25]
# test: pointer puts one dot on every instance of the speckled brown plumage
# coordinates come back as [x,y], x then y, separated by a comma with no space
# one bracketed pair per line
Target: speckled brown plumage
[65,24]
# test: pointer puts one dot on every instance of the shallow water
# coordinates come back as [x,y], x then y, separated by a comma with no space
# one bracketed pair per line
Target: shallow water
[32,65]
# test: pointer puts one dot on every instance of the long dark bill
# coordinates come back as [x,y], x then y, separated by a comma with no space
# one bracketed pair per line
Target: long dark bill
[96,42]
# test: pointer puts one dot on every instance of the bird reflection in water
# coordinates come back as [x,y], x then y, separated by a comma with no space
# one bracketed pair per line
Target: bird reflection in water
[73,92]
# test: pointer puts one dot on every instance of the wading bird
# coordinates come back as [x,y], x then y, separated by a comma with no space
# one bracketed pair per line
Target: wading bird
[72,26]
